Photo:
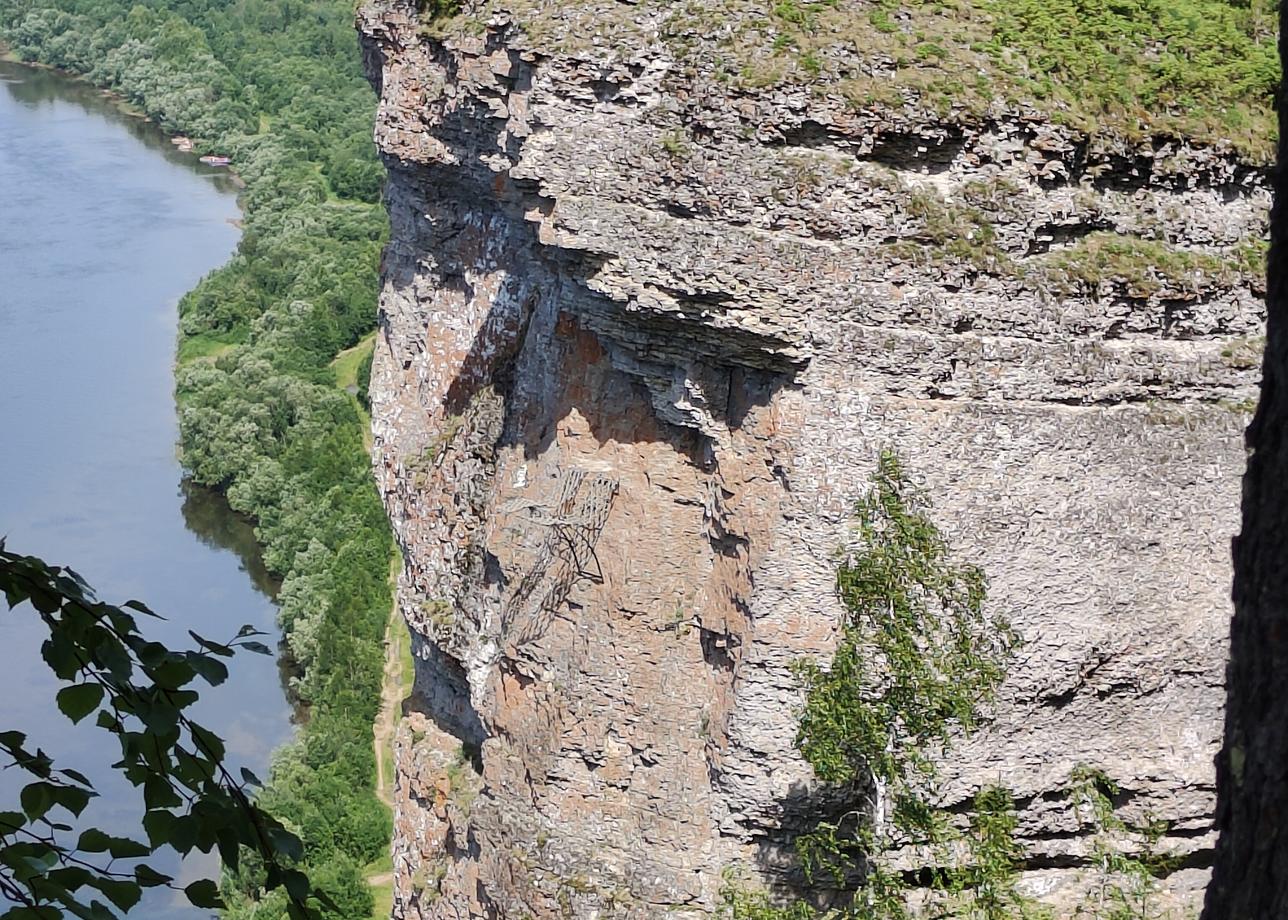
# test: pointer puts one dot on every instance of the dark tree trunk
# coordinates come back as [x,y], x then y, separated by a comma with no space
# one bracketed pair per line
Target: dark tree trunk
[1250,878]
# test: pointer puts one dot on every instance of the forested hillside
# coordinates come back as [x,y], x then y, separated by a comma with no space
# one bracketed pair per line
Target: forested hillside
[275,84]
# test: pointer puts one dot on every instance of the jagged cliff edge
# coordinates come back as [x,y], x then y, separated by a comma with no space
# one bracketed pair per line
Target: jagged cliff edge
[641,339]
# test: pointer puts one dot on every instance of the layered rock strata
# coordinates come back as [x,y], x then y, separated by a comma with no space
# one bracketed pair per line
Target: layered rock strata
[642,338]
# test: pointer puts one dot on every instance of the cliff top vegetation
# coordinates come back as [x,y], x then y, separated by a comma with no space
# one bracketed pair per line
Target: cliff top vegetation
[1200,69]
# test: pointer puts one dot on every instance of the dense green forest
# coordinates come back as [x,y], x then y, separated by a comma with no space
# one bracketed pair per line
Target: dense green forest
[277,85]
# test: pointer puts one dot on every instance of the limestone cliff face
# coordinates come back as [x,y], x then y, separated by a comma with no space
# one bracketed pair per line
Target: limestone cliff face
[642,338]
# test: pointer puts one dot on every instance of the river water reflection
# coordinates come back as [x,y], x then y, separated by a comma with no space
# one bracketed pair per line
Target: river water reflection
[103,226]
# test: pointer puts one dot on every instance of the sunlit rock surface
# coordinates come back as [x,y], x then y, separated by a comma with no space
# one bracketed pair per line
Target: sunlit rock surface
[642,337]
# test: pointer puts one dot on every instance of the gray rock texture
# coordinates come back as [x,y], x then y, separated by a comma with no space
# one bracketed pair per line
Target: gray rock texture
[642,338]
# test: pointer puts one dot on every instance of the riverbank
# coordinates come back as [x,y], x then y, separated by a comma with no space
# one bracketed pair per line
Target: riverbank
[261,418]
[7,55]
[105,229]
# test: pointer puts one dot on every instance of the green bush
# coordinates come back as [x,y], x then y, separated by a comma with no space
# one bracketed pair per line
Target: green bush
[918,657]
[1206,67]
[1202,69]
[918,653]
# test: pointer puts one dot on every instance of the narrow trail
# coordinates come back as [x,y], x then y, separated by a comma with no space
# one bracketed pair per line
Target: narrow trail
[392,694]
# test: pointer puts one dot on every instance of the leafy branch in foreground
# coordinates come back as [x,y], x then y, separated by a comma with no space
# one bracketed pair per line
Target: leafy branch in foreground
[260,417]
[139,691]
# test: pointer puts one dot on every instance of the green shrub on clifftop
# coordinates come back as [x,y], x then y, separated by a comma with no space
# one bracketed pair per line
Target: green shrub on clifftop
[1202,69]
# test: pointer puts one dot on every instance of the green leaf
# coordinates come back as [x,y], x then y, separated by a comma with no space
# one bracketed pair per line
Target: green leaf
[38,763]
[121,893]
[150,878]
[72,798]
[122,622]
[191,770]
[100,911]
[93,841]
[286,844]
[143,609]
[60,653]
[14,593]
[297,883]
[209,742]
[217,648]
[29,859]
[44,600]
[212,671]
[205,894]
[158,826]
[229,848]
[115,658]
[259,648]
[173,673]
[69,877]
[97,912]
[182,834]
[160,718]
[31,913]
[36,799]
[157,793]
[79,580]
[76,776]
[80,700]
[150,654]
[182,699]
[125,848]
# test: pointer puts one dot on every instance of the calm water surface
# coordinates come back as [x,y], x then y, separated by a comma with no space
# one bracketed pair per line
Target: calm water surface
[103,227]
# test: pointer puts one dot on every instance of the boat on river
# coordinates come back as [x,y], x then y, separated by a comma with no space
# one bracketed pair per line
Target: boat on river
[211,160]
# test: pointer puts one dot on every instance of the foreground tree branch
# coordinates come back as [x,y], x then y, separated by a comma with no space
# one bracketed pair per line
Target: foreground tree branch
[139,691]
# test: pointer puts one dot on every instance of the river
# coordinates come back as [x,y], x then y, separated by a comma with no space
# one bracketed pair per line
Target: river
[103,227]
